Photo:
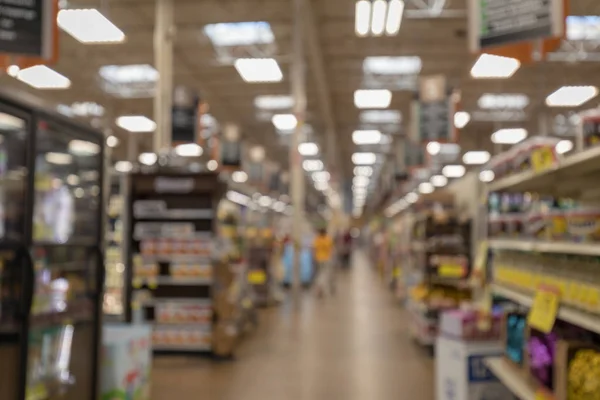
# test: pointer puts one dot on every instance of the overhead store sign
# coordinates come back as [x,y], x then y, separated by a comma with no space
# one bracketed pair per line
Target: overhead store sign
[28,28]
[434,119]
[184,118]
[496,23]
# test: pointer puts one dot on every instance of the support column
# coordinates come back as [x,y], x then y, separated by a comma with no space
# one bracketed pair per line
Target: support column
[163,60]
[298,80]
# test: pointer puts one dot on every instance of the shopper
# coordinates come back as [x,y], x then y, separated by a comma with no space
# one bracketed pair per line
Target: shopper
[323,252]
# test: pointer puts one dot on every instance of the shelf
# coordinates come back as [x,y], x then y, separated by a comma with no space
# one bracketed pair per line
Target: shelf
[580,318]
[172,281]
[511,377]
[174,258]
[589,249]
[177,300]
[204,326]
[181,347]
[563,179]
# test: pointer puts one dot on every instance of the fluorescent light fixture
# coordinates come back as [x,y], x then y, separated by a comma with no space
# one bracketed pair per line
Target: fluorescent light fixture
[83,148]
[372,98]
[59,158]
[489,66]
[360,181]
[503,101]
[123,166]
[476,157]
[564,146]
[363,171]
[265,201]
[284,122]
[378,17]
[239,33]
[189,150]
[362,18]
[454,171]
[212,165]
[239,177]
[89,26]
[433,148]
[148,158]
[257,153]
[486,176]
[571,96]
[394,17]
[10,122]
[254,70]
[308,149]
[136,123]
[461,119]
[278,206]
[364,137]
[385,65]
[274,102]
[238,198]
[364,158]
[426,188]
[439,180]
[13,70]
[129,81]
[380,117]
[411,197]
[360,190]
[321,176]
[312,165]
[509,136]
[42,77]
[112,141]
[321,185]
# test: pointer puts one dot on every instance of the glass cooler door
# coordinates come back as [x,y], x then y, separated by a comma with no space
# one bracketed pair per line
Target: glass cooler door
[63,337]
[15,263]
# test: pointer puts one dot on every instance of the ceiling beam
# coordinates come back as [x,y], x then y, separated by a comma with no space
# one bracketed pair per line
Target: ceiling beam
[317,66]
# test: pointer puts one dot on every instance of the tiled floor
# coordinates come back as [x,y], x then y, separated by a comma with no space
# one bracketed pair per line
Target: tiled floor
[354,346]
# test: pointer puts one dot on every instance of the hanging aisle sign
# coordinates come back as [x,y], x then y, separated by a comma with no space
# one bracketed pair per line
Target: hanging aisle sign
[28,27]
[503,22]
[184,117]
[434,110]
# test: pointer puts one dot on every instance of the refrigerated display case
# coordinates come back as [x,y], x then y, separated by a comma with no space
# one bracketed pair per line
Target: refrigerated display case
[51,272]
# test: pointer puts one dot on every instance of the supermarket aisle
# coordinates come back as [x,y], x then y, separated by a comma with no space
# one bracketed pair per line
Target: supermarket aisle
[352,347]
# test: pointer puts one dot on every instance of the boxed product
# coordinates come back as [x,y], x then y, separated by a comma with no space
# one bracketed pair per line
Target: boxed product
[462,324]
[583,225]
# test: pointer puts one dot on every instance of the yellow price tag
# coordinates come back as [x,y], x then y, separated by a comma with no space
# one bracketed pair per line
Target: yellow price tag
[544,309]
[137,283]
[451,271]
[257,277]
[542,159]
[397,272]
[152,283]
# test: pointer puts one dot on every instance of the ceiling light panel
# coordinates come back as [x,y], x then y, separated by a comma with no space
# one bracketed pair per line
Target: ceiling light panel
[503,101]
[89,26]
[509,136]
[381,117]
[453,171]
[476,157]
[284,122]
[189,150]
[42,77]
[489,66]
[403,65]
[274,102]
[461,119]
[364,158]
[394,17]
[148,158]
[136,123]
[378,98]
[583,27]
[239,33]
[378,17]
[308,149]
[253,70]
[129,81]
[363,171]
[571,96]
[365,137]
[439,180]
[362,17]
[312,165]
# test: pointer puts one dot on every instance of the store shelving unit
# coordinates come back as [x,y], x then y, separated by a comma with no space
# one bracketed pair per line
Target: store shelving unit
[170,269]
[588,249]
[565,178]
[512,378]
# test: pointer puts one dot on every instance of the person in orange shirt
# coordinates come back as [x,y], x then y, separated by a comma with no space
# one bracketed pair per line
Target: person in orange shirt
[323,254]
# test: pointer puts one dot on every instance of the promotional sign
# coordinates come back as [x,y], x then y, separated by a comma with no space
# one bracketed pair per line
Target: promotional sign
[28,28]
[231,147]
[502,22]
[184,119]
[414,155]
[434,119]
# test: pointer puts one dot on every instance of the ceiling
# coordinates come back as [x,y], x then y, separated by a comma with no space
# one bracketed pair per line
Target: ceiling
[334,56]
